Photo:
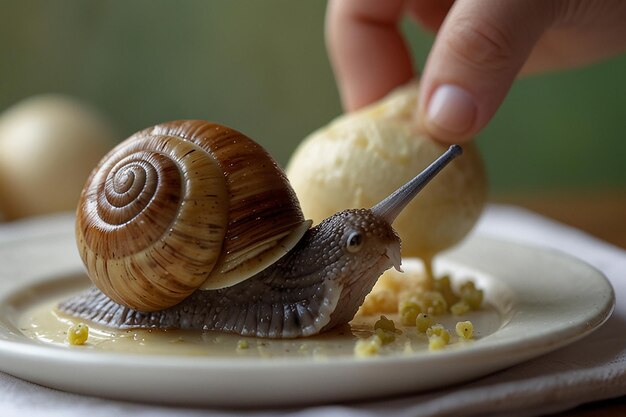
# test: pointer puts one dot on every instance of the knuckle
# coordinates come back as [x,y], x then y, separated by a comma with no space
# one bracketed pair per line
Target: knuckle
[481,45]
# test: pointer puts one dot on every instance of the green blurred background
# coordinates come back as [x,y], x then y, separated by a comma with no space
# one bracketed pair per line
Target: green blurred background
[261,67]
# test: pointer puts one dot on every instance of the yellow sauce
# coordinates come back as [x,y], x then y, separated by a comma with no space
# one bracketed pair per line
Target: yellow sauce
[43,323]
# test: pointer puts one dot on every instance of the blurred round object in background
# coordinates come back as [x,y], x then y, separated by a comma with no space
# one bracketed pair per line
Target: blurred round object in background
[48,146]
[361,157]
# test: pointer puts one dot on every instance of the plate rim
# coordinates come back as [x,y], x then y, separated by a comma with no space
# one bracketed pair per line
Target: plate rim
[32,351]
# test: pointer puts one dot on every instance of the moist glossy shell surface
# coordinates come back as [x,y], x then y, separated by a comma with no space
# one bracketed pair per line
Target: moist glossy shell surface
[179,206]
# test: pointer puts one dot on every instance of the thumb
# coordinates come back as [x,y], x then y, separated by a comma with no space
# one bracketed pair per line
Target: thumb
[479,50]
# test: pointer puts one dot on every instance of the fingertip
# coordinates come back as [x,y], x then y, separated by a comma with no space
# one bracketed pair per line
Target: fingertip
[450,114]
[477,55]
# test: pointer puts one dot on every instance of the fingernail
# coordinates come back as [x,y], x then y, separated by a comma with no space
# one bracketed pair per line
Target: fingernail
[451,108]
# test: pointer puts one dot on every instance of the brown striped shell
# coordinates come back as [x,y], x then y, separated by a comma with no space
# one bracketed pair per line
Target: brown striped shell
[181,206]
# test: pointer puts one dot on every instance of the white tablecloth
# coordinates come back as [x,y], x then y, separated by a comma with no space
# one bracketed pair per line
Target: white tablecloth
[591,369]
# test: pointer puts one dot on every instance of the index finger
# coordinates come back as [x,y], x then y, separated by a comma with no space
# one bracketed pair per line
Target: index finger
[367,51]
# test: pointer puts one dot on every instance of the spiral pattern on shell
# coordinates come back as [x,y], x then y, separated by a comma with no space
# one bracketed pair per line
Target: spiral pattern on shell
[177,204]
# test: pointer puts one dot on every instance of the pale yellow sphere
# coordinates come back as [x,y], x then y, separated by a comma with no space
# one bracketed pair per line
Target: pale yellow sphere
[360,158]
[48,146]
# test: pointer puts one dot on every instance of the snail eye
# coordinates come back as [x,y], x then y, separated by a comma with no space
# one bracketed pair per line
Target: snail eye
[354,242]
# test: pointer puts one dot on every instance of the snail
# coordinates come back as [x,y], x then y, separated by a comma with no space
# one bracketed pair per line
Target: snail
[192,225]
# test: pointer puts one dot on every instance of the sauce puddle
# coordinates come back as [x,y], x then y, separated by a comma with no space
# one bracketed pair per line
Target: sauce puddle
[44,324]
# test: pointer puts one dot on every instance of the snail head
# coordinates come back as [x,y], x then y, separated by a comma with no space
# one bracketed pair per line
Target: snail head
[364,238]
[355,240]
[354,247]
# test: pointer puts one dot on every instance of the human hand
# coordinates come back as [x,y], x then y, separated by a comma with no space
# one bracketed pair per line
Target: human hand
[480,48]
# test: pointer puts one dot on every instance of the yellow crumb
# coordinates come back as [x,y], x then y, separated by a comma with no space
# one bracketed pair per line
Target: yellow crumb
[408,312]
[365,348]
[436,342]
[78,334]
[460,308]
[438,330]
[422,322]
[385,336]
[465,329]
[471,295]
[444,287]
[381,301]
[431,302]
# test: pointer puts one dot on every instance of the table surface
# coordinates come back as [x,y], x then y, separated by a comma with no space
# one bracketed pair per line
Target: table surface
[601,214]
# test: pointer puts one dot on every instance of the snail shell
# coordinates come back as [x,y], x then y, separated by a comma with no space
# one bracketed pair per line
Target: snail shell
[181,206]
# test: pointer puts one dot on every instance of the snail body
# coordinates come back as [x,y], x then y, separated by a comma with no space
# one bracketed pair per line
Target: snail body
[192,225]
[316,286]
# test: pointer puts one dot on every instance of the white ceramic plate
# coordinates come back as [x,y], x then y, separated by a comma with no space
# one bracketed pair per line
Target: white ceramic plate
[543,300]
